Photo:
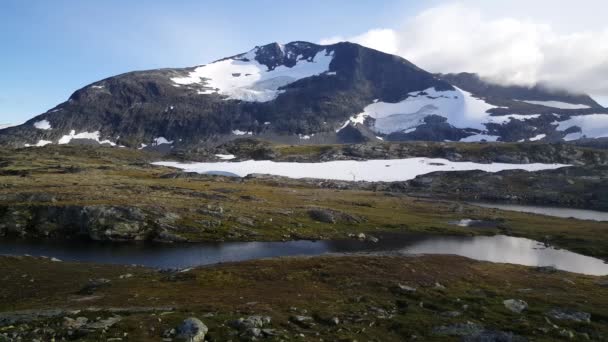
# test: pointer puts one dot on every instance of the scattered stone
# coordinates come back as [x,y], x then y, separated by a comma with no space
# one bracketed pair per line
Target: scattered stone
[93,285]
[321,215]
[125,276]
[602,282]
[569,315]
[250,322]
[103,323]
[438,286]
[546,269]
[74,324]
[303,321]
[459,329]
[515,305]
[245,221]
[372,239]
[406,289]
[494,336]
[451,314]
[192,330]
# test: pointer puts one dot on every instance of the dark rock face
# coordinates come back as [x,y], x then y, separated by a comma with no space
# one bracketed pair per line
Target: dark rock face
[95,222]
[134,108]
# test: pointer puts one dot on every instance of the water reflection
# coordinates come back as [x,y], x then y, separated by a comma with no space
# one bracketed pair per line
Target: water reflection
[581,214]
[490,248]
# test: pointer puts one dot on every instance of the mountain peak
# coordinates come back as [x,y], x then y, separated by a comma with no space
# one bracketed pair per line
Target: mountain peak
[302,92]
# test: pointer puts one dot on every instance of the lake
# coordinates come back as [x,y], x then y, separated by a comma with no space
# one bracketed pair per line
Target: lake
[499,248]
[581,214]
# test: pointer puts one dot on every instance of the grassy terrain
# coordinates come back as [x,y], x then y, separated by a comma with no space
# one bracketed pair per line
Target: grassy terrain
[219,209]
[362,292]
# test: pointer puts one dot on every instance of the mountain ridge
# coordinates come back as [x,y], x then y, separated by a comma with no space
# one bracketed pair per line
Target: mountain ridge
[303,93]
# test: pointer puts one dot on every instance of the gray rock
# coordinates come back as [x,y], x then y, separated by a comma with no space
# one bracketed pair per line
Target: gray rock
[103,323]
[303,321]
[74,324]
[494,336]
[405,288]
[321,215]
[451,314]
[192,330]
[602,282]
[515,305]
[459,329]
[546,269]
[256,321]
[569,315]
[93,285]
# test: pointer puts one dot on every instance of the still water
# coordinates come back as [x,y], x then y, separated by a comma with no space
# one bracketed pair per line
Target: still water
[581,214]
[499,248]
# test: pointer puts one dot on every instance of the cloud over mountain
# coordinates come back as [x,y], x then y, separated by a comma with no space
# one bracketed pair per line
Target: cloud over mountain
[507,50]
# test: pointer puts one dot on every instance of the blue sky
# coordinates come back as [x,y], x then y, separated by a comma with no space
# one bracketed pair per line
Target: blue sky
[52,48]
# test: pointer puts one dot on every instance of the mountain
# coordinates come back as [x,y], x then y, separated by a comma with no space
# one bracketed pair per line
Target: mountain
[307,93]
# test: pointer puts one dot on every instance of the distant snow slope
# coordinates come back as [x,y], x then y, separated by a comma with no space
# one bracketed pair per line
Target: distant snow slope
[244,78]
[592,126]
[3,126]
[460,107]
[66,139]
[369,170]
[557,104]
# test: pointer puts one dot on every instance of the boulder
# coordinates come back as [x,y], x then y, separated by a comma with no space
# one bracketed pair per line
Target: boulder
[515,305]
[569,315]
[192,330]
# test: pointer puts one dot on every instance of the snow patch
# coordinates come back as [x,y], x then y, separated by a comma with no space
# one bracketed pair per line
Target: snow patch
[244,78]
[480,137]
[538,137]
[369,170]
[502,119]
[43,124]
[556,104]
[592,126]
[460,108]
[161,141]
[239,132]
[225,156]
[84,135]
[40,143]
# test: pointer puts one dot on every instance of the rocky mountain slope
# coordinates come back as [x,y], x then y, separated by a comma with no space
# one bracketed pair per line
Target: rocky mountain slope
[307,93]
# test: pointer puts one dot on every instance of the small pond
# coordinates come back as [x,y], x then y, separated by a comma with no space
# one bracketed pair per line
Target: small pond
[499,248]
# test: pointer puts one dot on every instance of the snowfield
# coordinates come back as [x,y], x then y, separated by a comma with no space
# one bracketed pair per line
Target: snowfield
[351,170]
[592,126]
[556,104]
[461,109]
[40,143]
[244,78]
[84,135]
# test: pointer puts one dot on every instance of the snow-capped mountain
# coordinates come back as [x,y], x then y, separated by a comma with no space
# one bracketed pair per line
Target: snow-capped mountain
[307,93]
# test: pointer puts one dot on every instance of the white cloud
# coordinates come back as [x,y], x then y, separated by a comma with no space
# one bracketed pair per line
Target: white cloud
[457,37]
[385,40]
